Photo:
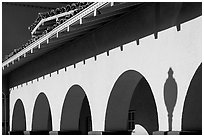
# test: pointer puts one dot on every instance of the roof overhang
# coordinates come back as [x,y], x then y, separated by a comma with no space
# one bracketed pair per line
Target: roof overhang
[85,21]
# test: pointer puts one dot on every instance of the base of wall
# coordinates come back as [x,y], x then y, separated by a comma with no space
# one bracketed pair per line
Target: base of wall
[177,133]
[191,132]
[69,132]
[16,132]
[109,133]
[95,132]
[26,132]
[117,133]
[53,132]
[39,132]
[160,132]
[101,133]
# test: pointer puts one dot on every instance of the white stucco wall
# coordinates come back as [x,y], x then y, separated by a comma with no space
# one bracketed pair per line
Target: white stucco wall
[152,58]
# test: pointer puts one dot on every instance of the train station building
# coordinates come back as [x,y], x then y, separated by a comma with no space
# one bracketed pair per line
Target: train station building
[100,68]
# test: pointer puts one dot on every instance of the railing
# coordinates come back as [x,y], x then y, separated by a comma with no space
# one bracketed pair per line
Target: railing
[51,18]
[78,17]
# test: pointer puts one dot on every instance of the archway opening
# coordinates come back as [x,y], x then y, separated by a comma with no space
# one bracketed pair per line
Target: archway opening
[42,118]
[192,110]
[18,118]
[131,102]
[76,114]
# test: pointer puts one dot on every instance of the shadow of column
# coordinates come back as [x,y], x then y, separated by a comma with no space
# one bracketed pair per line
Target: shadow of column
[170,96]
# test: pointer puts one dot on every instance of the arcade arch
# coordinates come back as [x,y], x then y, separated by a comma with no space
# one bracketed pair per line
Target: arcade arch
[42,118]
[131,102]
[76,114]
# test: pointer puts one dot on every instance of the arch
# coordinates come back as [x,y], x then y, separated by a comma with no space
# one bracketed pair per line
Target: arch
[192,110]
[131,95]
[18,117]
[42,118]
[76,114]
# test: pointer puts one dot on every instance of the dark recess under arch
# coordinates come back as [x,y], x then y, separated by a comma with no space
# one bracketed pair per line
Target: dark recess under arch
[18,118]
[76,114]
[131,92]
[42,118]
[192,110]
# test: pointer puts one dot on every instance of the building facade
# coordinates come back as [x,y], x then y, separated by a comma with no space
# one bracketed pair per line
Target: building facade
[140,71]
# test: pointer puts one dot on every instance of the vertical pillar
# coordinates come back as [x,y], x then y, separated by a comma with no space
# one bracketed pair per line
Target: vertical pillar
[5,105]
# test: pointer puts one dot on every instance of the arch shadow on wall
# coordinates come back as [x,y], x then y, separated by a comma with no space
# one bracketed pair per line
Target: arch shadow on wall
[131,102]
[42,118]
[76,114]
[18,118]
[192,110]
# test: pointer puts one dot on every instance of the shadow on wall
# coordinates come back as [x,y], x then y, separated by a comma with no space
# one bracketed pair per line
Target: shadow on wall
[18,119]
[42,119]
[76,114]
[192,110]
[170,96]
[131,102]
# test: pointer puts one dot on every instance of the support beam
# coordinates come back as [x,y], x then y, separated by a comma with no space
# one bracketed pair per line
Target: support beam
[138,42]
[108,53]
[67,28]
[156,35]
[80,21]
[178,27]
[121,48]
[95,11]
[39,46]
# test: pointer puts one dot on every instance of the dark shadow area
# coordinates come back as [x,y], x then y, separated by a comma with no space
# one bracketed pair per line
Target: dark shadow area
[144,107]
[76,114]
[5,107]
[144,20]
[18,118]
[16,133]
[42,119]
[85,122]
[192,110]
[170,96]
[131,102]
